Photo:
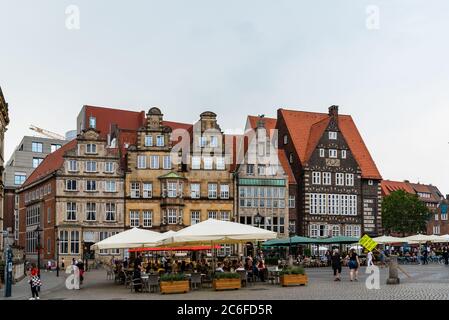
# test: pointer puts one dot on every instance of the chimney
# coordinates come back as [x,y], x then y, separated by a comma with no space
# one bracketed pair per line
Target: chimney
[261,121]
[333,111]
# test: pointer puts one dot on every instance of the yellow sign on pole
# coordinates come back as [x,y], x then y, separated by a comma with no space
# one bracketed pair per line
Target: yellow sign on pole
[368,243]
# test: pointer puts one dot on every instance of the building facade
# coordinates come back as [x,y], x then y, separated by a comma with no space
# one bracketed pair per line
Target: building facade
[167,191]
[76,198]
[28,155]
[338,190]
[4,121]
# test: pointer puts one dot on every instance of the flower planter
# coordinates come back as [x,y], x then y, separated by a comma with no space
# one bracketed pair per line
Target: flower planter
[175,286]
[227,284]
[294,280]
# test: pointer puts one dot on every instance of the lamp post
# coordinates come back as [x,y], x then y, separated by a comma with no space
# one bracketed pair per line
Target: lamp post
[38,230]
[258,220]
[57,257]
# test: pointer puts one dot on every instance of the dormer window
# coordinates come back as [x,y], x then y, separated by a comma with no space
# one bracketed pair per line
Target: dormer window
[91,148]
[285,139]
[148,141]
[92,122]
[332,135]
[160,141]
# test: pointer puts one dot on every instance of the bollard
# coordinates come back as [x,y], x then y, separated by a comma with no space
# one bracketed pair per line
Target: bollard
[393,277]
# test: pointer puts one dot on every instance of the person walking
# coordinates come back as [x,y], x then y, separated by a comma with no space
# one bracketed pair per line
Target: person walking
[446,256]
[369,259]
[35,282]
[353,264]
[425,255]
[336,264]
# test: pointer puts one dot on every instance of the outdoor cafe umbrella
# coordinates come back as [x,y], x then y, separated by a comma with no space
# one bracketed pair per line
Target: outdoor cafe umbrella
[132,238]
[419,238]
[389,239]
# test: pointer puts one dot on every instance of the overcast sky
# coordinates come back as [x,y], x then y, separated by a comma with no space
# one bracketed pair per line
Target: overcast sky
[236,58]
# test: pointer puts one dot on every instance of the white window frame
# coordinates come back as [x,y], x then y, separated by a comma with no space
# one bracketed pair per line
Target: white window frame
[73,166]
[147,218]
[224,191]
[141,162]
[212,190]
[91,148]
[327,178]
[195,217]
[154,162]
[220,163]
[333,135]
[172,216]
[148,141]
[134,218]
[109,167]
[71,211]
[322,152]
[91,166]
[166,163]
[333,153]
[349,179]
[110,211]
[110,186]
[91,211]
[195,190]
[134,190]
[316,178]
[91,185]
[208,163]
[212,215]
[196,163]
[339,179]
[344,154]
[160,141]
[70,182]
[285,139]
[147,190]
[291,202]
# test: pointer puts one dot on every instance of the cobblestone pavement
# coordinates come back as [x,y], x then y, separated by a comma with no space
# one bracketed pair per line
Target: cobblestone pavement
[430,282]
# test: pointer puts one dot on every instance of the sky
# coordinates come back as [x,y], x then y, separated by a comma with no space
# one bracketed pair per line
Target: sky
[383,62]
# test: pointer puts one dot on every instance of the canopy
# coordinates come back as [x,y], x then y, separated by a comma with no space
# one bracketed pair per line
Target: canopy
[444,238]
[191,248]
[419,238]
[132,238]
[217,231]
[389,239]
[290,241]
[338,240]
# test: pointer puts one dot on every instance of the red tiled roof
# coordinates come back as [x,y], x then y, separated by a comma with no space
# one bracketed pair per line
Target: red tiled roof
[305,129]
[286,165]
[270,123]
[50,164]
[388,187]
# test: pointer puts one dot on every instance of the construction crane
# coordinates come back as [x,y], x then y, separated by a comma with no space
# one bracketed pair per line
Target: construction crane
[47,133]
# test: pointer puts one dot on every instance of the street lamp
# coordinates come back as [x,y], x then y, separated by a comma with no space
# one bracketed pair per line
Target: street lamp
[57,257]
[258,220]
[38,230]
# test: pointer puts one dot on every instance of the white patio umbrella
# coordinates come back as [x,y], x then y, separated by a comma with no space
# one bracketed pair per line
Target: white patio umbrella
[439,239]
[218,232]
[419,238]
[132,238]
[389,239]
[444,238]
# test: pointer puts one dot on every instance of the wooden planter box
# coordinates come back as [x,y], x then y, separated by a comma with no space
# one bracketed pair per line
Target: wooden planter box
[294,280]
[227,284]
[175,286]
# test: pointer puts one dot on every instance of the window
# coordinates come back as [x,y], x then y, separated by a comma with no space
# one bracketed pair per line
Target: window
[148,219]
[261,170]
[63,242]
[290,158]
[110,186]
[109,167]
[167,162]
[71,211]
[75,242]
[224,191]
[291,202]
[335,231]
[91,185]
[332,135]
[249,169]
[91,166]
[37,147]
[141,162]
[321,153]
[110,211]
[350,179]
[202,141]
[171,189]
[436,216]
[172,216]
[19,178]
[370,182]
[134,220]
[212,215]
[195,217]
[104,235]
[55,147]
[313,231]
[71,185]
[339,179]
[196,163]
[213,141]
[48,245]
[316,177]
[285,139]
[37,162]
[226,216]
[332,153]
[73,165]
[195,191]
[147,190]
[443,215]
[135,190]
[91,211]
[220,163]
[343,154]
[49,215]
[91,148]
[327,178]
[148,141]
[212,190]
[154,162]
[160,141]
[436,229]
[92,122]
[208,163]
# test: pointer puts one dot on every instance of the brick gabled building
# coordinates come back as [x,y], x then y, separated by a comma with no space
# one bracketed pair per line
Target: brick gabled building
[338,181]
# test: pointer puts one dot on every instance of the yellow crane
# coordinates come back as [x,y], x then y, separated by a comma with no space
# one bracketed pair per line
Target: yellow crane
[47,133]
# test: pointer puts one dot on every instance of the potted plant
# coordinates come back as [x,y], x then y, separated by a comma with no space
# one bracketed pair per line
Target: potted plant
[227,281]
[293,276]
[174,283]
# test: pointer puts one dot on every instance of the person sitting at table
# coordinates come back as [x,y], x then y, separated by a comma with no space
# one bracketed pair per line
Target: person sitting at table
[137,276]
[219,268]
[261,270]
[174,266]
[240,267]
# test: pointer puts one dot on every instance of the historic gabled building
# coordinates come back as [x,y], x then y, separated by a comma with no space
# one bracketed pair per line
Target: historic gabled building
[428,194]
[168,188]
[75,196]
[4,121]
[263,178]
[338,181]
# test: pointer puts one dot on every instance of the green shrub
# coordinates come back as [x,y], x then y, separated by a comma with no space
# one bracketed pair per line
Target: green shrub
[293,270]
[173,277]
[226,275]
